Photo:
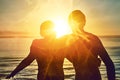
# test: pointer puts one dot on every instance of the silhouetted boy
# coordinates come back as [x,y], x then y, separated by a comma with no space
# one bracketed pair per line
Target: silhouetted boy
[84,50]
[47,54]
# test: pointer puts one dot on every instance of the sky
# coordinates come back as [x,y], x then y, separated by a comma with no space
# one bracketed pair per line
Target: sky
[103,16]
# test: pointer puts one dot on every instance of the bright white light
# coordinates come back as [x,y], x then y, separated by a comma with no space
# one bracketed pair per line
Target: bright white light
[61,27]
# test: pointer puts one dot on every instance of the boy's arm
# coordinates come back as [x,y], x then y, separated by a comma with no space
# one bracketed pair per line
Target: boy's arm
[24,63]
[29,59]
[107,61]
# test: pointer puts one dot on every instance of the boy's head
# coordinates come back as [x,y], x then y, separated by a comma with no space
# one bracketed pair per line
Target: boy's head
[47,29]
[77,20]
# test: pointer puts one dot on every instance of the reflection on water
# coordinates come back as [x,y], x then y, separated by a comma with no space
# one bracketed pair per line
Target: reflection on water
[13,50]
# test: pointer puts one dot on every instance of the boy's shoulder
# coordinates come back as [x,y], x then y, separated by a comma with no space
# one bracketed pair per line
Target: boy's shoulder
[37,42]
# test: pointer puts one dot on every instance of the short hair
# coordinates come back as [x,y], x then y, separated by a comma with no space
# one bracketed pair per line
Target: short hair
[46,25]
[78,17]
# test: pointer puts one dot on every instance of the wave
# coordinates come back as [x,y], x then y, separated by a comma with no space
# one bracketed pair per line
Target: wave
[113,47]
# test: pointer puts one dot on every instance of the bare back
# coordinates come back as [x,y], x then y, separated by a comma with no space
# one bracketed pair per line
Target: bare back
[49,59]
[83,53]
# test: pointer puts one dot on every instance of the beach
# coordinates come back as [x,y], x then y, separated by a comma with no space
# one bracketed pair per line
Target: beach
[13,50]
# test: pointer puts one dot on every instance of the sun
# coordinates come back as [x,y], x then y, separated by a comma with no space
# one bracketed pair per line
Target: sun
[61,27]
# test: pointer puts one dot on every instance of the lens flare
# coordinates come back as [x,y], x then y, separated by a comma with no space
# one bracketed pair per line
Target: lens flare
[61,27]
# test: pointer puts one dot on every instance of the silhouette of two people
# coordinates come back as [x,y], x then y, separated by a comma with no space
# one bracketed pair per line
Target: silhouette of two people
[80,48]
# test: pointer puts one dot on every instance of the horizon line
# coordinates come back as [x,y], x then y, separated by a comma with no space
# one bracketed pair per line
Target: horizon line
[33,36]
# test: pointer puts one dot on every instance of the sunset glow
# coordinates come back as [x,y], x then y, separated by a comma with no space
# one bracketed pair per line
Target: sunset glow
[61,27]
[26,16]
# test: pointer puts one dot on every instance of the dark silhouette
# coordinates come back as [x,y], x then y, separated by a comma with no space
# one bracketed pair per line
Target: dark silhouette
[47,55]
[84,50]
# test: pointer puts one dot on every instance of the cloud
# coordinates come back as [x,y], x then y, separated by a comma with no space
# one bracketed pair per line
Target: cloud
[101,15]
[14,11]
[24,13]
[29,2]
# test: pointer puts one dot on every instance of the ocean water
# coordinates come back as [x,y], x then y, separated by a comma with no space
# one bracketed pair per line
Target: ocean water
[13,50]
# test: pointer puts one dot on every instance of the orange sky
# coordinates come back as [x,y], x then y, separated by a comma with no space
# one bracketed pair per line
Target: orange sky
[26,16]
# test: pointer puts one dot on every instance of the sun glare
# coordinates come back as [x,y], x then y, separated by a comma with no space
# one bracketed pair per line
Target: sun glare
[61,27]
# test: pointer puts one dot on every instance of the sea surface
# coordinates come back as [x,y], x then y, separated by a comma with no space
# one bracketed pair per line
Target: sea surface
[13,50]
